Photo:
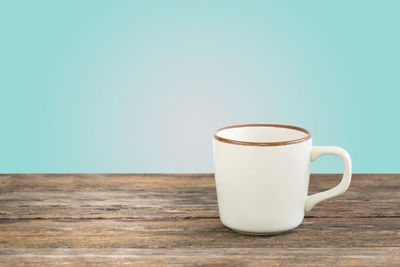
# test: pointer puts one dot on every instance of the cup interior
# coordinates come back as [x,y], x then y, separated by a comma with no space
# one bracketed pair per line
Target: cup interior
[263,134]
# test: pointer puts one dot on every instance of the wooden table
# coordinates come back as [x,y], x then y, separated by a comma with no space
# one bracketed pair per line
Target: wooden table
[151,219]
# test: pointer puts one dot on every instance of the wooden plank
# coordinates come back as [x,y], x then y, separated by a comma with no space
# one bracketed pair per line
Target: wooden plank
[158,219]
[129,196]
[212,257]
[195,233]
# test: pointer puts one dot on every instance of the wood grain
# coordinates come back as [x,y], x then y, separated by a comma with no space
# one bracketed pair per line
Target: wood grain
[162,219]
[195,233]
[376,256]
[176,196]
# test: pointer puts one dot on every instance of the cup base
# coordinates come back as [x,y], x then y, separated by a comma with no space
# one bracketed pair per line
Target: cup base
[262,233]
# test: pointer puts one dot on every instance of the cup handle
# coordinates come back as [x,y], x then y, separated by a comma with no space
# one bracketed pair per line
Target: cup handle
[318,151]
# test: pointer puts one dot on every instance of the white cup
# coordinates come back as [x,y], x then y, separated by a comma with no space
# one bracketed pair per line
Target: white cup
[262,173]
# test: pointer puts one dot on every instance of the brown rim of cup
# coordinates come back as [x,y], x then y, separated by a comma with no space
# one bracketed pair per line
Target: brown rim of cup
[282,143]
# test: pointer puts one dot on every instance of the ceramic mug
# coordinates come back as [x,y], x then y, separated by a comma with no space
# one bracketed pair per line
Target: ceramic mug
[262,173]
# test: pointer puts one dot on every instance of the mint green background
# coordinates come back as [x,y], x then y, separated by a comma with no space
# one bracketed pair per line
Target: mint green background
[140,86]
